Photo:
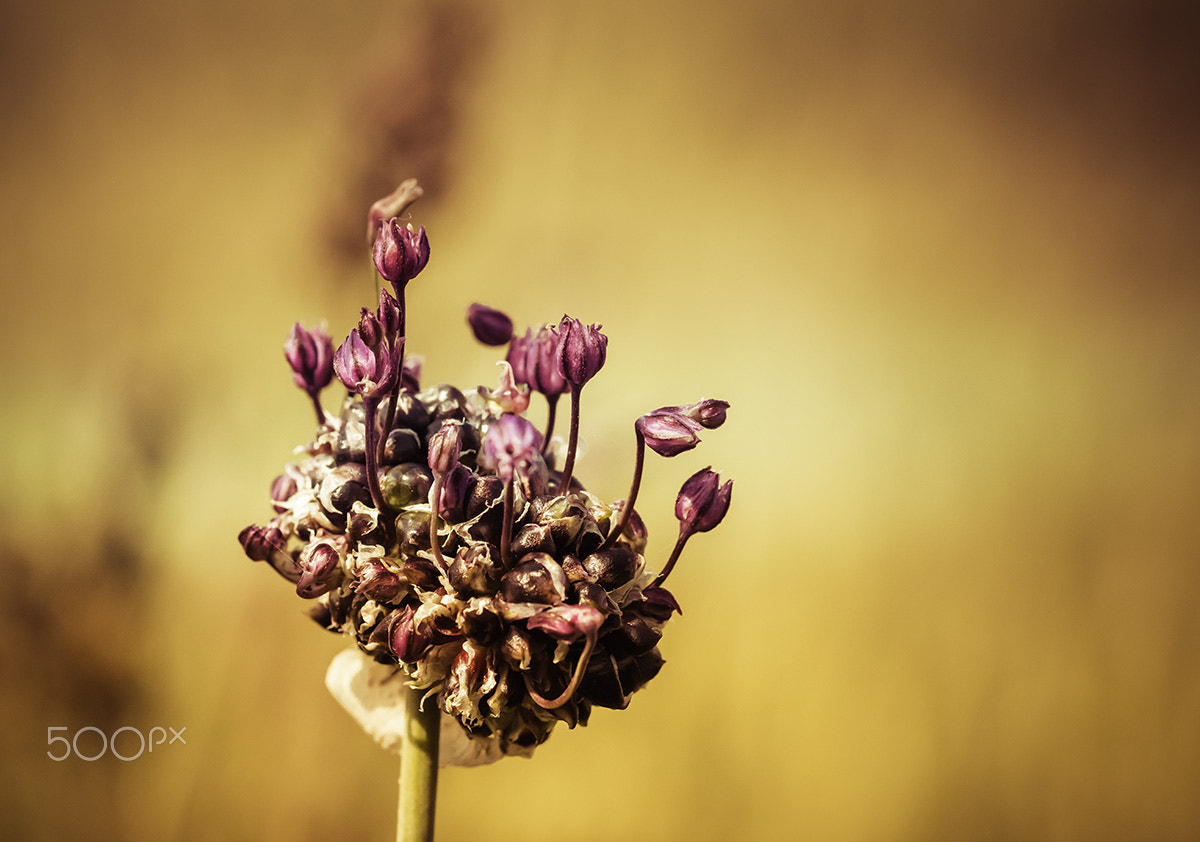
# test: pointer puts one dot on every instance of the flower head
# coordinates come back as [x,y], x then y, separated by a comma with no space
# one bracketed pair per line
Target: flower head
[434,529]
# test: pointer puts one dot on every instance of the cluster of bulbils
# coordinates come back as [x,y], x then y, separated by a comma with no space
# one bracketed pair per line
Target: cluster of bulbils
[434,527]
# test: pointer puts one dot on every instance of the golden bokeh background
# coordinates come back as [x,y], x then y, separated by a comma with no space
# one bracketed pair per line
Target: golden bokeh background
[942,258]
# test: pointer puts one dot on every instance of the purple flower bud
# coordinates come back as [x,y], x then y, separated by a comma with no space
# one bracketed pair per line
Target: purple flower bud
[378,583]
[581,351]
[388,315]
[511,443]
[445,446]
[365,371]
[310,354]
[369,328]
[708,413]
[518,357]
[544,372]
[490,326]
[409,642]
[568,622]
[319,565]
[400,253]
[667,432]
[282,489]
[410,374]
[261,542]
[702,502]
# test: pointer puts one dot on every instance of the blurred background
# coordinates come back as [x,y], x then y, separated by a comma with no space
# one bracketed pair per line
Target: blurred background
[942,258]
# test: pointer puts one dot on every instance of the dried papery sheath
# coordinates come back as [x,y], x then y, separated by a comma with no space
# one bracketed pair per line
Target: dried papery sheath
[432,527]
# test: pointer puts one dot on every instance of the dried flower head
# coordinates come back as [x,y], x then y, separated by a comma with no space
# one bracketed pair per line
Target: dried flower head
[434,528]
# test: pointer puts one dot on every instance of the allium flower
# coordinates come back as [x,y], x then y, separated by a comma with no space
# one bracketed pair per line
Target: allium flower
[431,529]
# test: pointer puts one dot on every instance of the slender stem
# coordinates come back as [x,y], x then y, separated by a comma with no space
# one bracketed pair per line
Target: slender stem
[576,677]
[400,333]
[679,542]
[506,527]
[418,769]
[564,484]
[435,504]
[320,410]
[627,510]
[371,446]
[551,414]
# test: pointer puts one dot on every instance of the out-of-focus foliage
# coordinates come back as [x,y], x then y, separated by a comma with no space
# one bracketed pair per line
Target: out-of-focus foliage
[941,259]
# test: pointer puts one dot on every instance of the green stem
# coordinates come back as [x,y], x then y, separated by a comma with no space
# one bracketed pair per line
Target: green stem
[418,769]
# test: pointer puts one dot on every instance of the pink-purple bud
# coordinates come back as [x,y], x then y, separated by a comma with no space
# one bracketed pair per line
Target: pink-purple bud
[581,351]
[378,583]
[282,489]
[667,432]
[567,622]
[511,444]
[388,315]
[544,372]
[408,641]
[702,501]
[369,328]
[261,542]
[319,565]
[490,326]
[400,253]
[363,370]
[444,447]
[708,413]
[310,354]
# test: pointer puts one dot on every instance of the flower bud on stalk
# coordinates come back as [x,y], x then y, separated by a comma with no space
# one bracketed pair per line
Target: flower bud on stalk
[700,506]
[369,373]
[445,445]
[511,444]
[581,354]
[400,253]
[667,431]
[310,354]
